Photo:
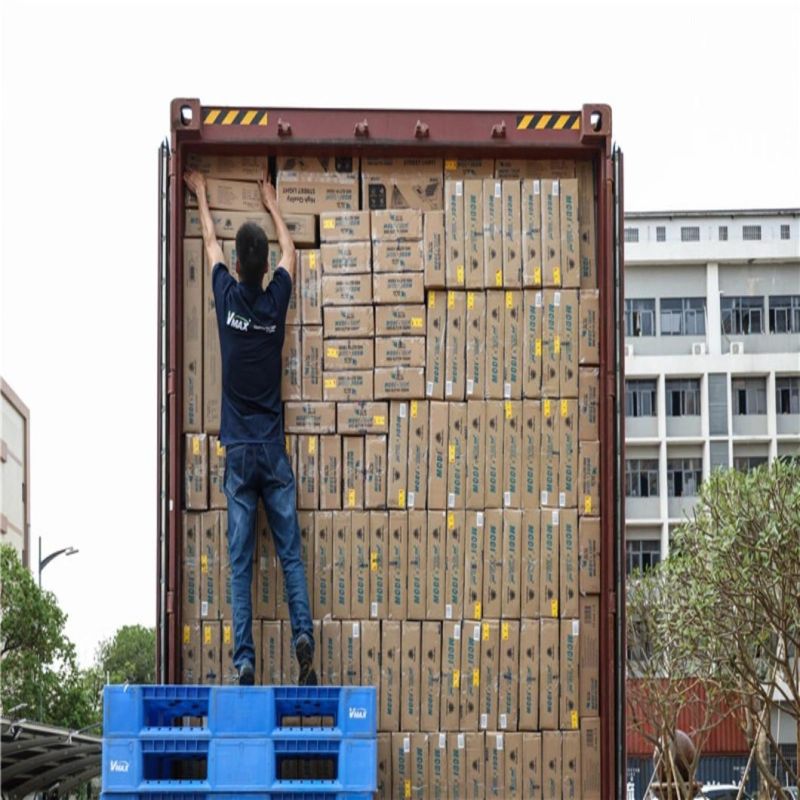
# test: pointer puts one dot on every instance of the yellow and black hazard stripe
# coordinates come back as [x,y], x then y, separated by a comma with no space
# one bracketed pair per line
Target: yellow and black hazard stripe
[235,116]
[541,121]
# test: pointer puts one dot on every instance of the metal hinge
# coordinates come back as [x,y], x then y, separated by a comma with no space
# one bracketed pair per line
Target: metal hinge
[170,602]
[171,382]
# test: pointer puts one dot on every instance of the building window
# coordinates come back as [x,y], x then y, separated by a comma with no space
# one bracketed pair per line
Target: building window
[746,463]
[683,397]
[661,233]
[641,477]
[640,398]
[784,313]
[749,395]
[683,316]
[785,232]
[742,315]
[640,317]
[723,233]
[642,554]
[631,234]
[684,476]
[751,233]
[787,395]
[690,233]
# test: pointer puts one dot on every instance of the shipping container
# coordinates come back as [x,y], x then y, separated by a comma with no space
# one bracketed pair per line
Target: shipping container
[497,236]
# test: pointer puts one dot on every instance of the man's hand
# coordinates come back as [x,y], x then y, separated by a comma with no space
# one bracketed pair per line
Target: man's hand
[268,195]
[196,181]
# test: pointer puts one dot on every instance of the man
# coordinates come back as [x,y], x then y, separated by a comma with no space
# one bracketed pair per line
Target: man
[251,329]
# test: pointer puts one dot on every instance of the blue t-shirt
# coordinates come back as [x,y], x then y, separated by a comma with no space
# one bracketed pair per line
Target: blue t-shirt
[251,324]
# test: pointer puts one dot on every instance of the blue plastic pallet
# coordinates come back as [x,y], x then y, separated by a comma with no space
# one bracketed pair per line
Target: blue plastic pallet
[239,765]
[279,795]
[160,711]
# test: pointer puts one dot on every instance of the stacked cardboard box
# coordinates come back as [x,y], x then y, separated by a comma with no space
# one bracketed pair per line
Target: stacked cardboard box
[441,378]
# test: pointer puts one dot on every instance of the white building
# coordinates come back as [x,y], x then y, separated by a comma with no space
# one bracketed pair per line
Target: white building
[712,363]
[15,448]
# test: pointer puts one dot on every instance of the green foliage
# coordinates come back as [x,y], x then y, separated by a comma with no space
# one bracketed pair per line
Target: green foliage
[129,656]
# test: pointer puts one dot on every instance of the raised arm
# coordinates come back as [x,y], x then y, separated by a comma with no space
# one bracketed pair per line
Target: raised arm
[270,200]
[196,181]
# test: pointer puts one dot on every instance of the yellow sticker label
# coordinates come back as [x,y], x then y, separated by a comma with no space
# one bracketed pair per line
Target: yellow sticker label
[351,498]
[557,345]
[379,419]
[538,348]
[431,299]
[413,409]
[452,453]
[332,352]
[546,407]
[328,224]
[476,677]
[460,274]
[227,636]
[187,634]
[330,383]
[451,299]
[509,410]
[485,631]
[287,445]
[477,612]
[373,561]
[554,608]
[504,631]
[557,276]
[456,679]
[312,260]
[206,634]
[509,300]
[537,275]
[451,520]
[204,564]
[416,322]
[587,504]
[312,445]
[450,165]
[195,445]
[564,408]
[401,498]
[220,449]
[498,278]
[574,720]
[407,788]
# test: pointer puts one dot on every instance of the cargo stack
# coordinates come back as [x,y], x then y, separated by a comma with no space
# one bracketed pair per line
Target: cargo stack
[441,387]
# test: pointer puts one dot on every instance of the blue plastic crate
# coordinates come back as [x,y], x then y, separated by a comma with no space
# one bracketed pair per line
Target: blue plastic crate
[239,765]
[160,711]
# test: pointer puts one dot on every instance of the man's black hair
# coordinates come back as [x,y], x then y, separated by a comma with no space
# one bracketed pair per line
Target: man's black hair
[251,250]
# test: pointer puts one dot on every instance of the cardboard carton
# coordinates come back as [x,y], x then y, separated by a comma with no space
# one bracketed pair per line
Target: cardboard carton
[229,195]
[370,653]
[212,361]
[568,453]
[531,233]
[400,320]
[397,482]
[216,473]
[378,564]
[532,344]
[588,403]
[291,382]
[473,233]
[457,763]
[310,266]
[569,562]
[475,370]
[549,580]
[347,385]
[402,183]
[532,765]
[526,168]
[437,477]
[190,566]
[302,227]
[341,557]
[397,565]
[512,220]
[569,675]
[359,564]
[476,445]
[354,322]
[396,225]
[513,346]
[418,437]
[551,765]
[431,675]
[311,381]
[512,780]
[398,287]
[568,344]
[346,290]
[531,451]
[309,417]
[495,343]
[456,453]
[470,676]
[400,351]
[512,453]
[348,354]
[308,471]
[451,676]
[375,471]
[590,759]
[210,544]
[495,766]
[586,225]
[551,441]
[384,766]
[511,594]
[271,653]
[529,666]
[437,542]
[570,233]
[390,676]
[433,250]
[398,257]
[341,166]
[454,565]
[353,466]
[211,654]
[468,168]
[530,562]
[419,765]
[266,572]
[473,569]
[589,679]
[493,484]
[193,317]
[455,346]
[435,345]
[551,233]
[240,168]
[399,383]
[323,565]
[438,784]
[492,563]
[551,346]
[549,677]
[589,327]
[589,555]
[351,653]
[362,417]
[410,680]
[330,475]
[492,233]
[313,192]
[346,258]
[344,226]
[589,479]
[508,675]
[331,652]
[454,233]
[476,779]
[489,675]
[416,565]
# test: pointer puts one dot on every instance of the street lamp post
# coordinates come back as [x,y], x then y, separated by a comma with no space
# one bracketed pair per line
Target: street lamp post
[43,562]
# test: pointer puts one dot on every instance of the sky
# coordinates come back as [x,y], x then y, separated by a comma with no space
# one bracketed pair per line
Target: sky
[706,107]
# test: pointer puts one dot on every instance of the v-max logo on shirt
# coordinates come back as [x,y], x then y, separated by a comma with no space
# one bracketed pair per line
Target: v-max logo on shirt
[236,321]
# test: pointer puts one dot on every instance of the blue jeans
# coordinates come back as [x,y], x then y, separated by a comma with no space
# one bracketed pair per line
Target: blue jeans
[253,471]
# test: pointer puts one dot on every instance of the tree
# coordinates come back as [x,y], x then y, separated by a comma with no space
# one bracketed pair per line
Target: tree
[129,656]
[40,672]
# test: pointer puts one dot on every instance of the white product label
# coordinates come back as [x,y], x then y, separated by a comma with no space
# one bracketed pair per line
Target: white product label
[562,499]
[457,633]
[476,633]
[406,744]
[498,189]
[555,518]
[576,627]
[506,499]
[411,499]
[442,741]
[555,188]
[429,388]
[484,720]
[373,610]
[264,563]
[479,519]
[204,608]
[470,385]
[498,742]
[451,500]
[507,391]
[537,187]
[448,611]
[356,630]
[403,410]
[538,300]
[448,388]
[459,188]
[503,721]
[543,498]
[460,741]
[556,298]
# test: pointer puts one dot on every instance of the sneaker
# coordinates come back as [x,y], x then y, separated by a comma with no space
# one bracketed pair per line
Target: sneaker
[246,675]
[308,676]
